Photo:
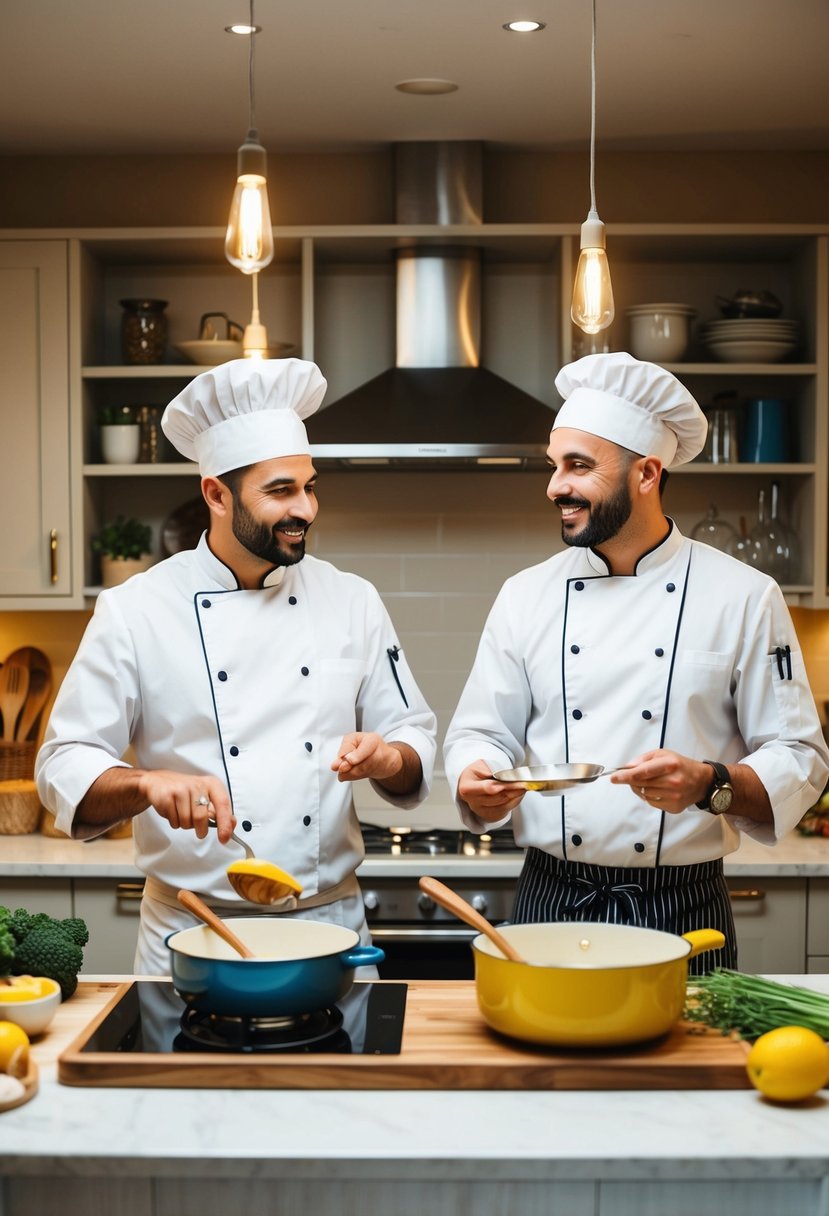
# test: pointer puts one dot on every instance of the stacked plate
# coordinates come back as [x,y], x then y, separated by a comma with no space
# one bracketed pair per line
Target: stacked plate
[751,339]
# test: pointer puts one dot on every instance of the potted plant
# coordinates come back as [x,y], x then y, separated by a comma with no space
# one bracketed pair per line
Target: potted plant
[125,547]
[120,434]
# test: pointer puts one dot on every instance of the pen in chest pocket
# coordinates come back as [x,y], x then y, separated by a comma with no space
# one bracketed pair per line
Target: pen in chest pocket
[783,655]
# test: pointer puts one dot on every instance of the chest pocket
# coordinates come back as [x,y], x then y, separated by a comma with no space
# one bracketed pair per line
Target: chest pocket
[341,680]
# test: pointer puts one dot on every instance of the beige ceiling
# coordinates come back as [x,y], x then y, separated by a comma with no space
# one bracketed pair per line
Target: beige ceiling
[144,76]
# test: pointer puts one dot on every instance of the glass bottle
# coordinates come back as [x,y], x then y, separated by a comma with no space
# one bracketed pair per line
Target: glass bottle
[148,421]
[714,531]
[143,331]
[770,546]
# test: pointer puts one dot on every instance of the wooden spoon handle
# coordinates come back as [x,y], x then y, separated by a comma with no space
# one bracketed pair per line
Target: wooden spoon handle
[459,907]
[200,909]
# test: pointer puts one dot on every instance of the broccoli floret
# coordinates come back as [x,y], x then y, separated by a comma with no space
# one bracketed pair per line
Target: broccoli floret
[76,928]
[49,950]
[7,946]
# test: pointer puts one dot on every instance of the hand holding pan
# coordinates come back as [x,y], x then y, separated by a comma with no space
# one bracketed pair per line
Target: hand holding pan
[553,778]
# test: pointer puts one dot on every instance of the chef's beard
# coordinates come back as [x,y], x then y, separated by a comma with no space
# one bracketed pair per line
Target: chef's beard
[605,521]
[263,541]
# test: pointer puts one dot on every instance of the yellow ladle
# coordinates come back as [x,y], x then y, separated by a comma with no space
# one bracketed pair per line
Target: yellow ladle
[259,882]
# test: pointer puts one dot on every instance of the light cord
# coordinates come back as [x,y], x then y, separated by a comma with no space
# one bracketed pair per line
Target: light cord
[592,113]
[251,73]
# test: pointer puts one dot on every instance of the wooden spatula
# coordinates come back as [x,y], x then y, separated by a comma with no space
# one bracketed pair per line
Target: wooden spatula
[14,685]
[40,687]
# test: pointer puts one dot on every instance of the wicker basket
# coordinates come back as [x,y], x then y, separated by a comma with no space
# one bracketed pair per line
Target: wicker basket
[17,761]
[47,826]
[20,808]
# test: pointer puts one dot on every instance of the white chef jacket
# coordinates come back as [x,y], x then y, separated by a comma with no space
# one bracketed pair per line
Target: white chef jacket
[695,652]
[255,687]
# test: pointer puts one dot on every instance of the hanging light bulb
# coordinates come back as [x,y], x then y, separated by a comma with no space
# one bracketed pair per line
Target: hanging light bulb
[592,306]
[249,239]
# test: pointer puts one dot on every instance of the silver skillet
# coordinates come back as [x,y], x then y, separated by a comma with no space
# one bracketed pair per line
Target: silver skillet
[551,778]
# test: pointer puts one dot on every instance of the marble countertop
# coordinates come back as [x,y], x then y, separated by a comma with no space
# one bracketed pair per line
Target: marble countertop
[693,1134]
[44,856]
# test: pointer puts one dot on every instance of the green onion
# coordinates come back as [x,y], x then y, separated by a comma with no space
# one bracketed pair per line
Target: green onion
[748,1005]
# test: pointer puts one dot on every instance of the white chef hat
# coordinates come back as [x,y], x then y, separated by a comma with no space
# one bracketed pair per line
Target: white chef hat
[640,406]
[244,411]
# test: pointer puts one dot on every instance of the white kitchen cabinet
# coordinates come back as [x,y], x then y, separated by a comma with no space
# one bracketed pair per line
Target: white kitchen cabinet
[770,922]
[329,295]
[817,927]
[36,555]
[111,910]
[51,895]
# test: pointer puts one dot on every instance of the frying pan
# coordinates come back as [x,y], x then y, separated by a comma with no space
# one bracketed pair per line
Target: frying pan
[550,778]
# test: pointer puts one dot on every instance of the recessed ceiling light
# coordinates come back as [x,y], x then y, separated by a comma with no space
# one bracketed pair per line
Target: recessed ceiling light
[523,27]
[243,29]
[426,85]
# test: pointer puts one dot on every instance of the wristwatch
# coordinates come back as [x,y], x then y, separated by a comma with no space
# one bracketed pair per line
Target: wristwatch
[720,792]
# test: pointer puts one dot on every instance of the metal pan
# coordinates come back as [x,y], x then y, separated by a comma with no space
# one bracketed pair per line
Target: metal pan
[551,778]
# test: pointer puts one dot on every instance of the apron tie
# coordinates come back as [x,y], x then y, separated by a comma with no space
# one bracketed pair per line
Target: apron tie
[624,894]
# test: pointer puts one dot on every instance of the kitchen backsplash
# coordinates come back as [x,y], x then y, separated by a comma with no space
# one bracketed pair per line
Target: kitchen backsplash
[437,546]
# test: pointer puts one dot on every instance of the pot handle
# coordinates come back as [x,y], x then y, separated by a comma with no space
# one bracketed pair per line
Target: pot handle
[362,956]
[701,940]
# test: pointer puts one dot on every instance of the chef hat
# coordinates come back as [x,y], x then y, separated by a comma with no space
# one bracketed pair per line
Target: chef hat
[638,405]
[244,411]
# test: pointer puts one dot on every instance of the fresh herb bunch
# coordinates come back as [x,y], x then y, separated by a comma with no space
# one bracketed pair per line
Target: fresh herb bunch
[124,538]
[749,1005]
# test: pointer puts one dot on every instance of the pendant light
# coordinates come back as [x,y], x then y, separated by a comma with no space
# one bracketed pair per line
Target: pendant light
[249,239]
[592,307]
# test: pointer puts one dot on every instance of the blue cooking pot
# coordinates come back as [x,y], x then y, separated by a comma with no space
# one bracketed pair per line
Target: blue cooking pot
[300,966]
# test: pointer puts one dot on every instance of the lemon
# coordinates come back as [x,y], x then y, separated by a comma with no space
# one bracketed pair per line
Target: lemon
[25,988]
[789,1063]
[14,1050]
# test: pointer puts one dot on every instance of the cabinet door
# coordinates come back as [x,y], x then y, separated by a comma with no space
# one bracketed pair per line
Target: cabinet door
[110,908]
[51,895]
[35,555]
[770,919]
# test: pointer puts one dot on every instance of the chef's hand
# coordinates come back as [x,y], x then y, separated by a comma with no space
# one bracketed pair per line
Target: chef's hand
[366,754]
[188,801]
[665,780]
[489,799]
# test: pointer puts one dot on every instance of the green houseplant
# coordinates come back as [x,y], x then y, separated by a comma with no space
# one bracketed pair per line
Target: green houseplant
[125,546]
[120,434]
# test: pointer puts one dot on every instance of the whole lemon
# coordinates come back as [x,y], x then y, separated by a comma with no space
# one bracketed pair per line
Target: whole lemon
[14,1050]
[789,1063]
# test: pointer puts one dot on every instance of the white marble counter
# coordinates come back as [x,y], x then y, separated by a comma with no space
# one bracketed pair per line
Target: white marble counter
[187,1151]
[35,855]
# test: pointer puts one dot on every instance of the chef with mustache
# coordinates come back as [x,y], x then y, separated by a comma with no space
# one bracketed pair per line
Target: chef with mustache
[635,647]
[253,684]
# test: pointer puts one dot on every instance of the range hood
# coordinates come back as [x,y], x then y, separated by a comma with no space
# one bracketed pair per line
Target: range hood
[437,406]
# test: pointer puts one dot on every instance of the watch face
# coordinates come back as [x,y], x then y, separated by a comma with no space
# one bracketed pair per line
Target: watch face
[721,798]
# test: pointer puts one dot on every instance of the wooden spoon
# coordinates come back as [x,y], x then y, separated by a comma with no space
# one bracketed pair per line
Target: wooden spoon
[257,881]
[458,906]
[14,685]
[40,686]
[199,908]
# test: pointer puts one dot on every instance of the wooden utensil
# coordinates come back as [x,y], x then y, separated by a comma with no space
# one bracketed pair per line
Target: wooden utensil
[458,906]
[14,685]
[199,908]
[40,686]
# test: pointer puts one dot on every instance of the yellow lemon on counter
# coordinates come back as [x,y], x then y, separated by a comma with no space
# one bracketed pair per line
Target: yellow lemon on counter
[25,988]
[789,1063]
[14,1050]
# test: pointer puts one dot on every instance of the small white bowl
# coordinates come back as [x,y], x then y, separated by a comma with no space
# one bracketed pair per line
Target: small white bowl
[32,1016]
[660,334]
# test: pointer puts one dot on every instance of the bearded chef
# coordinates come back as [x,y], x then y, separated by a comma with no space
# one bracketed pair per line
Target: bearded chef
[635,647]
[254,684]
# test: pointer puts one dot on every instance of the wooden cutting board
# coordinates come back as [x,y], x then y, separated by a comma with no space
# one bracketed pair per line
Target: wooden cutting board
[446,1045]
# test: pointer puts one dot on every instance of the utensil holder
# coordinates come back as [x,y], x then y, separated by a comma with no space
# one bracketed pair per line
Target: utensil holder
[17,761]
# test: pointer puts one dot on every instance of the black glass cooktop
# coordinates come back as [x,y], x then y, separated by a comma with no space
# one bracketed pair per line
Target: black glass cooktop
[150,1018]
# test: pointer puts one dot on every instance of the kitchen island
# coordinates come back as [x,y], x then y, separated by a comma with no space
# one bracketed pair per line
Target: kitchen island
[183,1152]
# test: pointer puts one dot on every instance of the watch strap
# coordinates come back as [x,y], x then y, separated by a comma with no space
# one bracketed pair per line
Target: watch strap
[721,777]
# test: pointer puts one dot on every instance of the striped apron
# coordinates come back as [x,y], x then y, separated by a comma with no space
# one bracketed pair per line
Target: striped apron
[675,899]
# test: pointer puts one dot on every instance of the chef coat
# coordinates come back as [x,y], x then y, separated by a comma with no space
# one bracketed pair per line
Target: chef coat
[257,688]
[695,652]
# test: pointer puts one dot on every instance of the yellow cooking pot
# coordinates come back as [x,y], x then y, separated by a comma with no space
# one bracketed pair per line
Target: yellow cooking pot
[586,985]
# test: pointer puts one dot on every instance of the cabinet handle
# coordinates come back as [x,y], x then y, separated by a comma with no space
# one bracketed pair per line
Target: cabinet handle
[53,555]
[129,890]
[747,893]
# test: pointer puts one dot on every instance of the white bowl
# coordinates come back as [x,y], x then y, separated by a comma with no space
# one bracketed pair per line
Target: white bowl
[210,351]
[660,335]
[734,351]
[32,1016]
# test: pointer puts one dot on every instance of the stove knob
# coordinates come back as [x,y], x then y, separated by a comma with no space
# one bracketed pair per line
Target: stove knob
[479,903]
[425,903]
[371,900]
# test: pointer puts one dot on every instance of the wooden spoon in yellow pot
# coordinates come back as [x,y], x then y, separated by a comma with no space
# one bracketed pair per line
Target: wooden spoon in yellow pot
[259,882]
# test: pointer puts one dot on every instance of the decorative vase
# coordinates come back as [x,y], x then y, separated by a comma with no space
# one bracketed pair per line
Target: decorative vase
[143,331]
[116,570]
[121,444]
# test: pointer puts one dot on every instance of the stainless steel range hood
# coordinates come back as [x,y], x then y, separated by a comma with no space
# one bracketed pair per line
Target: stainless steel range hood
[437,406]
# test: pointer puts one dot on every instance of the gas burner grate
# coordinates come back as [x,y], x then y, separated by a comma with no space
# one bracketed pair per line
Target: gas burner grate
[321,1030]
[435,842]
